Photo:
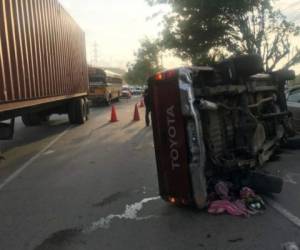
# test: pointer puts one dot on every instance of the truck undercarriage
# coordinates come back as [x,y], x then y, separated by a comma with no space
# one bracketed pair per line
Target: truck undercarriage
[211,121]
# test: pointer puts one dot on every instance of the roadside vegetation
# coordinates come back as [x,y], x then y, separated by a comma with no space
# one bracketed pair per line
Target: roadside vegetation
[204,32]
[146,63]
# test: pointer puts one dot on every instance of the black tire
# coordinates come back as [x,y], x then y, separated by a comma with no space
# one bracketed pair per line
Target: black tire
[108,100]
[248,65]
[77,111]
[264,184]
[233,69]
[72,112]
[118,98]
[87,108]
[45,118]
[31,120]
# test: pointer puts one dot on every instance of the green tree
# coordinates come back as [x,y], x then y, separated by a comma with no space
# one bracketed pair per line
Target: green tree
[296,81]
[205,31]
[146,63]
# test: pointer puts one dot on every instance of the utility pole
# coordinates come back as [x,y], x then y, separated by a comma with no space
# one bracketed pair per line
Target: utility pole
[95,54]
[161,60]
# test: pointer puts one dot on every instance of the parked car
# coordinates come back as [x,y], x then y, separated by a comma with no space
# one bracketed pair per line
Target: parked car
[126,93]
[136,91]
[293,102]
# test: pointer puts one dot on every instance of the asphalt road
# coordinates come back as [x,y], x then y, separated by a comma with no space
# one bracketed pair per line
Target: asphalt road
[94,187]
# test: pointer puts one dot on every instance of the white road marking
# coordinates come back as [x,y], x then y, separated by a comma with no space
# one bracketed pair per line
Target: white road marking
[130,213]
[49,152]
[32,160]
[290,246]
[289,179]
[284,212]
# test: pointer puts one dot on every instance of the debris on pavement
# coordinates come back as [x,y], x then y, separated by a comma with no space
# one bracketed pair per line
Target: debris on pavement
[290,246]
[224,198]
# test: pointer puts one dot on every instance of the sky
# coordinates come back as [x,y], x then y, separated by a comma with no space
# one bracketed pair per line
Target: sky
[118,26]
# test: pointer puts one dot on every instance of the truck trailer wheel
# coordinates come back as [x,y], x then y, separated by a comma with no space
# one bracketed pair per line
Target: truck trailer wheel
[31,120]
[77,111]
[87,108]
[108,99]
[118,97]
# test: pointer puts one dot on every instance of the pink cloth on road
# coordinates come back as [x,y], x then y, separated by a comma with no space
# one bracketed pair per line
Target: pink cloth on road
[236,208]
[246,193]
[222,190]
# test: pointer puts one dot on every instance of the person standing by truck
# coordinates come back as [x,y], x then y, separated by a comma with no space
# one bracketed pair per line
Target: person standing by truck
[147,100]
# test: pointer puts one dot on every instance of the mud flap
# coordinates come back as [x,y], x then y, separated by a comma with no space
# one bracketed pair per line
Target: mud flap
[7,130]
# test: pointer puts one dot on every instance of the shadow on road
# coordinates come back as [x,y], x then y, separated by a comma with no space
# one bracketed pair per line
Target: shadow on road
[128,125]
[293,144]
[144,135]
[27,135]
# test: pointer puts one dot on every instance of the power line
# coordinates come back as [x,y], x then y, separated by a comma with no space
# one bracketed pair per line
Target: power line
[95,54]
[292,5]
[291,11]
[295,18]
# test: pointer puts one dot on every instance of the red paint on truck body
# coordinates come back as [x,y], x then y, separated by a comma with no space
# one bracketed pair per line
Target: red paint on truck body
[170,141]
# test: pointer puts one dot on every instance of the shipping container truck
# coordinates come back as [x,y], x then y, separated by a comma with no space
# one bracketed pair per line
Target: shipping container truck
[43,67]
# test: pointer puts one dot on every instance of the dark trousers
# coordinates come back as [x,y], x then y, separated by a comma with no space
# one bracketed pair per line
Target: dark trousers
[147,116]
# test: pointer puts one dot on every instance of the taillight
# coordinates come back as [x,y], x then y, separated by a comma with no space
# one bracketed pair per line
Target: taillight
[159,77]
[172,200]
[165,75]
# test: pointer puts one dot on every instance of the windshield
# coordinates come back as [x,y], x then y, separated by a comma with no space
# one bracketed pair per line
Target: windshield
[97,79]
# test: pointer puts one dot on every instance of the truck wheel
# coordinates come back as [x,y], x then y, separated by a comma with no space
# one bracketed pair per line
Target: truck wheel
[263,183]
[31,120]
[45,118]
[77,111]
[248,65]
[87,108]
[108,100]
[239,67]
[118,97]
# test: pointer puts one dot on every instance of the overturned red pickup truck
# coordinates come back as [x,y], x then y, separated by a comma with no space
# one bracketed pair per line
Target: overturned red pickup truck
[214,121]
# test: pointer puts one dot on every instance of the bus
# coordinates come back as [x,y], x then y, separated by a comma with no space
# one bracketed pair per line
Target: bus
[104,86]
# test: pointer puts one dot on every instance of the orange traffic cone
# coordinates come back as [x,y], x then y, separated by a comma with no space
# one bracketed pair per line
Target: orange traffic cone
[113,114]
[142,103]
[136,116]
